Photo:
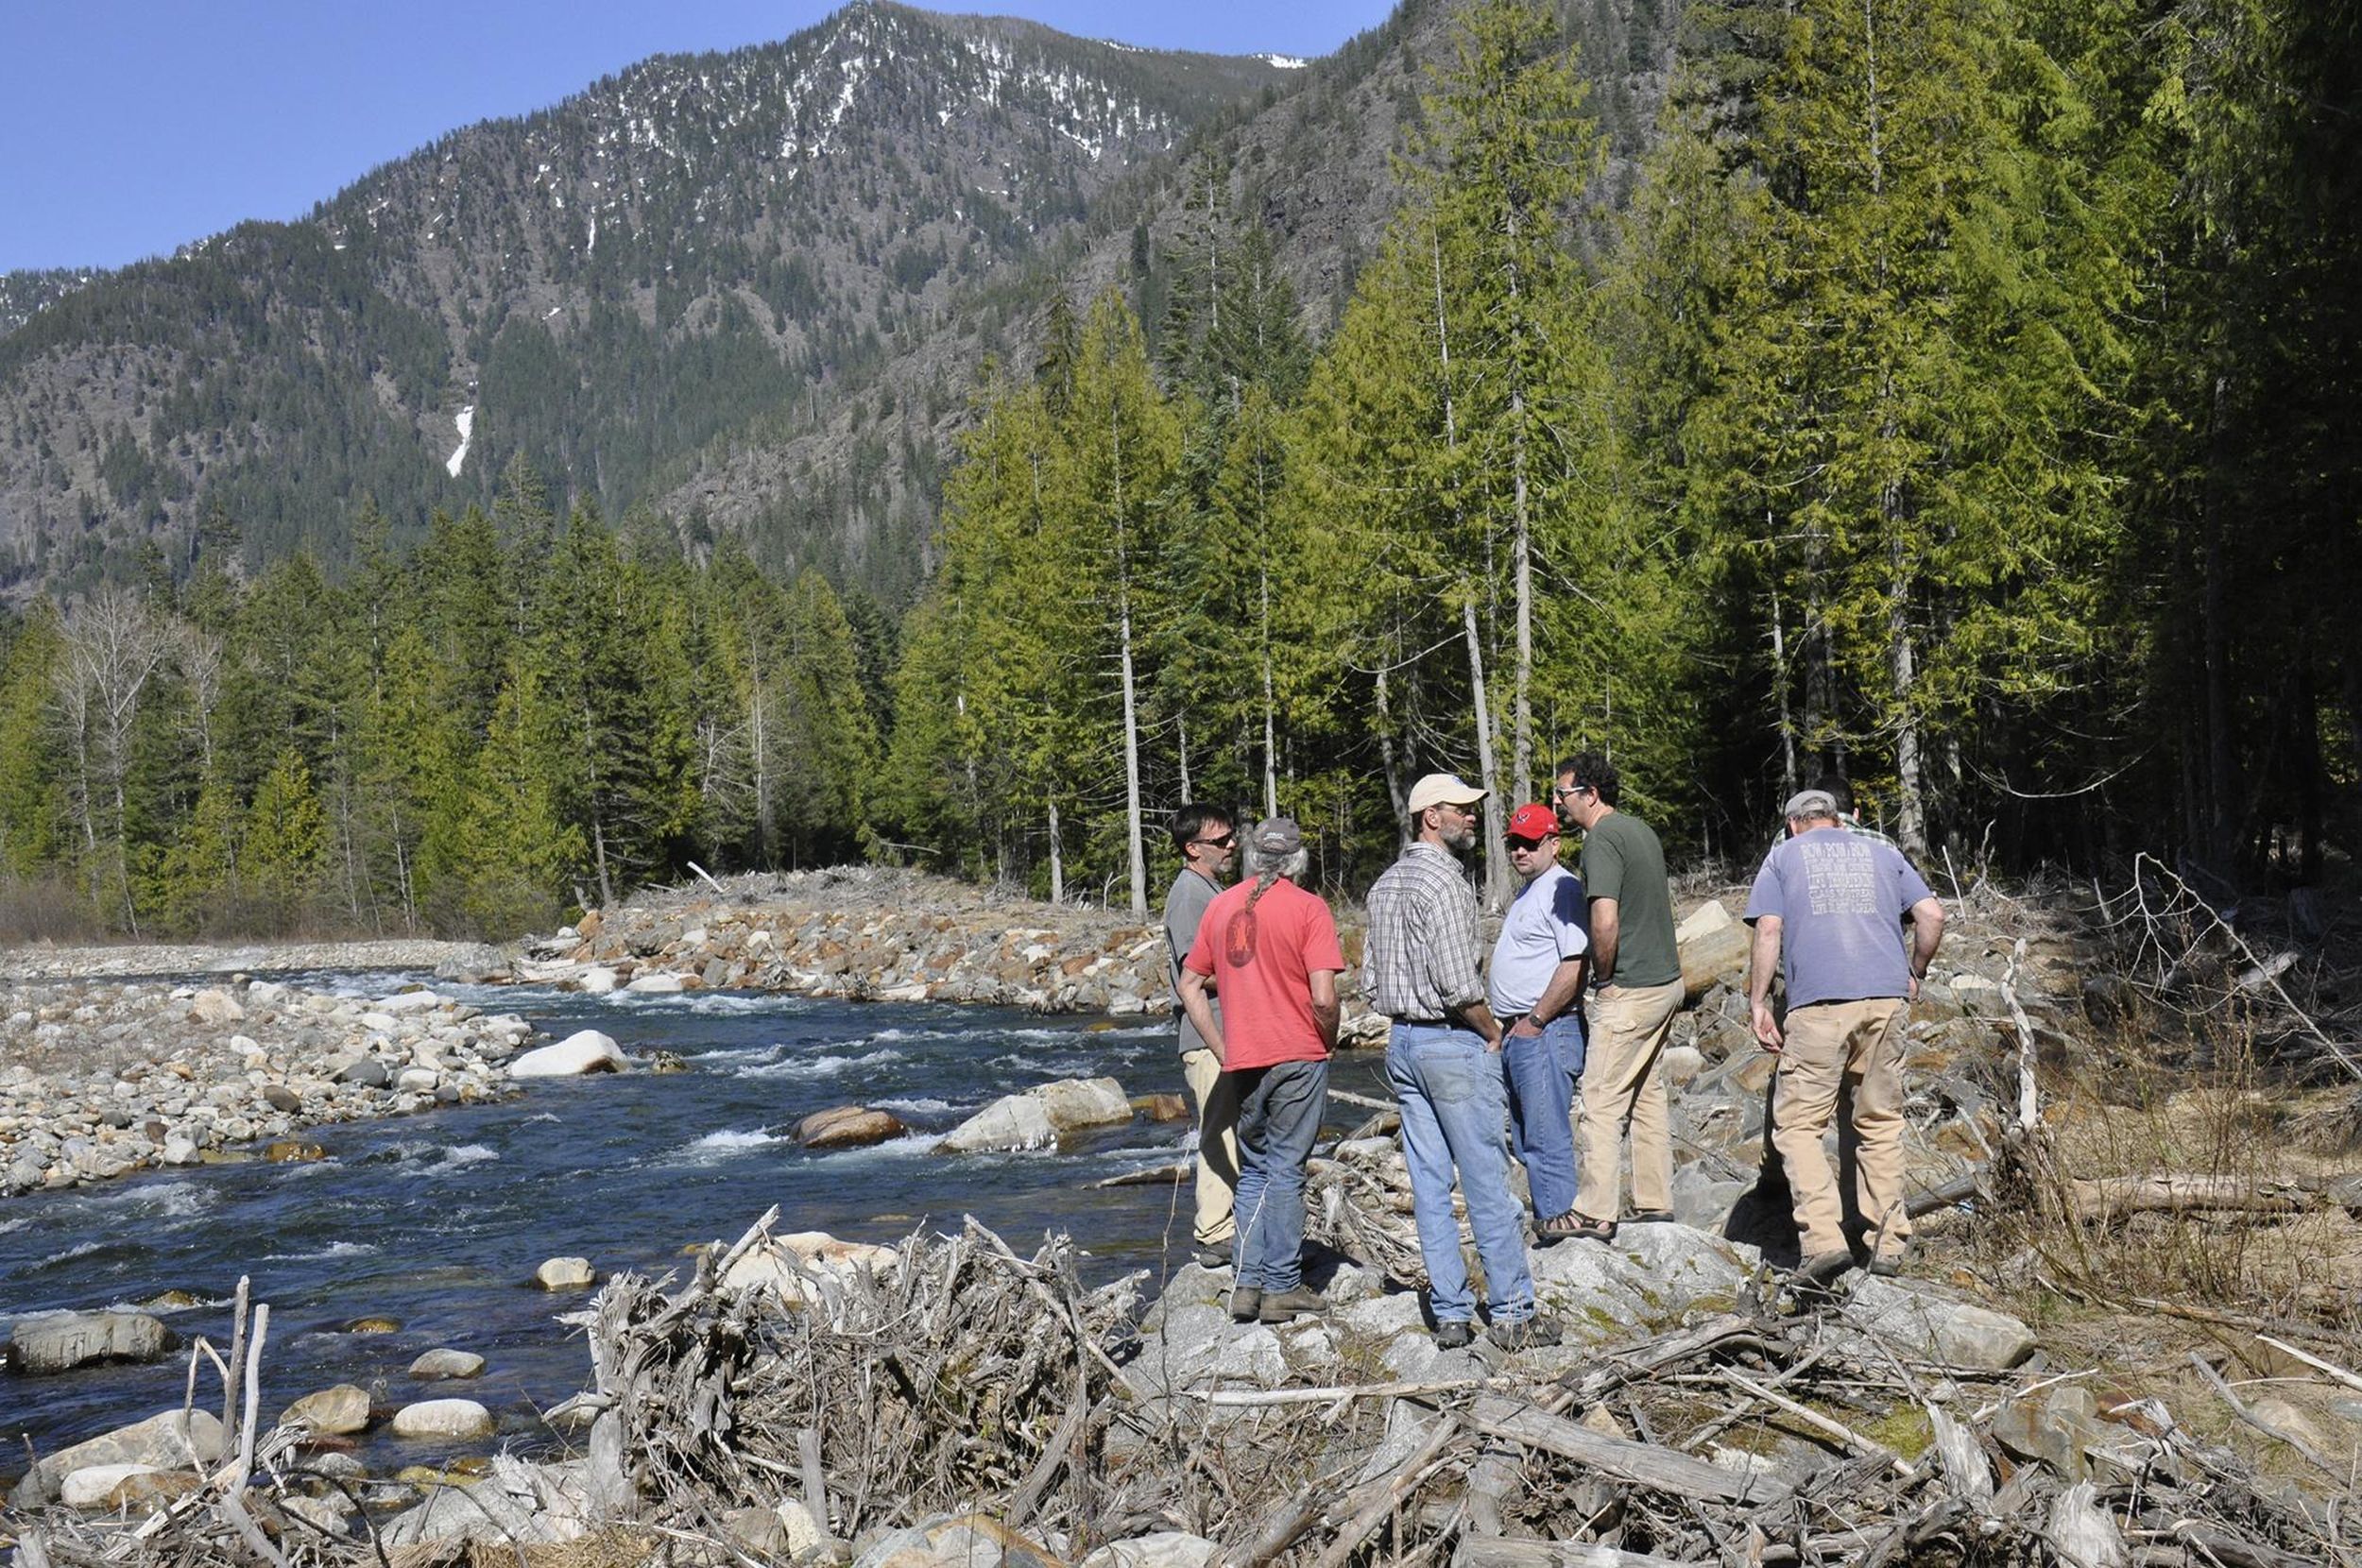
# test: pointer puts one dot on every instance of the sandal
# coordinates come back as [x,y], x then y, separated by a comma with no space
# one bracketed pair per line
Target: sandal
[1558,1227]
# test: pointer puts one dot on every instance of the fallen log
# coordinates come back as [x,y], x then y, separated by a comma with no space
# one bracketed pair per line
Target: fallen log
[1643,1464]
[2103,1197]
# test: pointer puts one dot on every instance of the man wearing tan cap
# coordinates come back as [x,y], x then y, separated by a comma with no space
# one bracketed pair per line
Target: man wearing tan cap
[1831,905]
[1442,1059]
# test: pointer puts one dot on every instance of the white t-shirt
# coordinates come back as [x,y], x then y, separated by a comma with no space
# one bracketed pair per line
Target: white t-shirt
[1547,924]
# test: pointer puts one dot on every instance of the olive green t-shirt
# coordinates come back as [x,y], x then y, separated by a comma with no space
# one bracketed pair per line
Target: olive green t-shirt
[1623,860]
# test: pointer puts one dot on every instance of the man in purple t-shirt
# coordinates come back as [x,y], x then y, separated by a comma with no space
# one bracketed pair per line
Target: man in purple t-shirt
[1829,907]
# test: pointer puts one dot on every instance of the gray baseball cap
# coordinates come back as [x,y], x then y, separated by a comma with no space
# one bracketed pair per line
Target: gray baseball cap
[1809,803]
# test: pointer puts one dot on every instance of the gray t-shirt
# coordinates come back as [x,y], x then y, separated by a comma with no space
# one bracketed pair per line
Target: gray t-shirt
[1840,898]
[1185,906]
[1547,923]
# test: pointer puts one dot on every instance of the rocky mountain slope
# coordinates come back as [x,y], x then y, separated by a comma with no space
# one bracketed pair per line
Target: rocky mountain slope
[749,291]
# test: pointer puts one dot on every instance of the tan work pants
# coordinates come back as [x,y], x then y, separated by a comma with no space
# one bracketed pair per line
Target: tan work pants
[1623,1088]
[1217,1101]
[1828,1043]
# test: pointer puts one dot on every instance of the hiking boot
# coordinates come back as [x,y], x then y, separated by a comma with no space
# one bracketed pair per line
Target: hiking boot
[1214,1254]
[1887,1266]
[1822,1268]
[1455,1334]
[1287,1304]
[1245,1303]
[1538,1332]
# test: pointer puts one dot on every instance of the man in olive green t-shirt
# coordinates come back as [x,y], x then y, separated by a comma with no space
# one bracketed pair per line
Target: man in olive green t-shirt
[1637,967]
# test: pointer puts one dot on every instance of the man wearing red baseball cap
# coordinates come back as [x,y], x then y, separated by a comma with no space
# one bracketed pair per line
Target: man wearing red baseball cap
[1535,990]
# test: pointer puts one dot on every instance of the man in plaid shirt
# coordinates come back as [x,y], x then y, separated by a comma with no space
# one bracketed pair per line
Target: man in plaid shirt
[1443,1058]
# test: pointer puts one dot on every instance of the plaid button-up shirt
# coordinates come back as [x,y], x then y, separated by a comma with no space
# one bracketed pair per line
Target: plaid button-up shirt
[1420,958]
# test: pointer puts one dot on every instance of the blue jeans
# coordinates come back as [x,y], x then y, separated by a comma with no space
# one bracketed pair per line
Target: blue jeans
[1279,1117]
[1541,1073]
[1455,1112]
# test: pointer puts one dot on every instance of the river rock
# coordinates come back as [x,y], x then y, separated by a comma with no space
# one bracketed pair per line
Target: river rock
[1073,1103]
[293,1152]
[96,1485]
[59,1342]
[847,1127]
[161,1441]
[282,1099]
[1164,1549]
[1162,1107]
[1713,957]
[1706,919]
[656,985]
[1013,1121]
[584,1052]
[213,1005]
[453,1364]
[334,1412]
[444,1418]
[1938,1327]
[782,1262]
[598,982]
[565,1273]
[958,1540]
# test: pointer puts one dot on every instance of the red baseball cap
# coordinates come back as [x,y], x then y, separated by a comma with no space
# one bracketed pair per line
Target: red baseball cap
[1533,821]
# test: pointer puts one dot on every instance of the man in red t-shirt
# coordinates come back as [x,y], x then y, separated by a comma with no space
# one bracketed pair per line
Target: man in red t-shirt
[1275,947]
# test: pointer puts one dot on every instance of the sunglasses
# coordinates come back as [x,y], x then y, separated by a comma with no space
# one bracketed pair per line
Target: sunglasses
[1223,843]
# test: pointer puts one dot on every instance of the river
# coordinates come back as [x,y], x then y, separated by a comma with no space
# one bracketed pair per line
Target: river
[439,1220]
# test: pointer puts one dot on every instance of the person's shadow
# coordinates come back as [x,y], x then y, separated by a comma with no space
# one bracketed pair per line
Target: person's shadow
[1764,1215]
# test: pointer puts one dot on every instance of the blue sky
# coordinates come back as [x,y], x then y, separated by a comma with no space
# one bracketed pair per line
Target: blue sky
[131,126]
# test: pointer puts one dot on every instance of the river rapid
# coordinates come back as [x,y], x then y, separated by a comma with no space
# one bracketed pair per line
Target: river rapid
[439,1220]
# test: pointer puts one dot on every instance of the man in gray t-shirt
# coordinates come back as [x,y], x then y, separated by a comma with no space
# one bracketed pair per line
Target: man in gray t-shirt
[1829,909]
[1208,838]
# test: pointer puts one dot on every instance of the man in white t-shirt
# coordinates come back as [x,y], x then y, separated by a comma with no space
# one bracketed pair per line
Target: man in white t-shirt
[1535,989]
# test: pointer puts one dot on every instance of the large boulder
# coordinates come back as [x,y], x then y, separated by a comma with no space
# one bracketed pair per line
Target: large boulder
[798,1264]
[1074,1103]
[598,980]
[108,1487]
[213,1005]
[65,1341]
[958,1540]
[453,1364]
[1933,1324]
[656,985]
[1714,949]
[584,1052]
[444,1418]
[565,1273]
[847,1127]
[333,1412]
[1013,1121]
[163,1442]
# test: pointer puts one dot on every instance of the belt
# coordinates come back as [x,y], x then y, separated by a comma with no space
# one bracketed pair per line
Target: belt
[1433,1023]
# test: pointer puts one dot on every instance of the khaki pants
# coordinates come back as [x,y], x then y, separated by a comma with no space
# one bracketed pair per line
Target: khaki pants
[1217,1098]
[1828,1043]
[1623,1088]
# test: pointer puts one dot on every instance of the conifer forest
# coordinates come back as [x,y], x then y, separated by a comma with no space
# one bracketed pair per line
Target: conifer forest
[1962,399]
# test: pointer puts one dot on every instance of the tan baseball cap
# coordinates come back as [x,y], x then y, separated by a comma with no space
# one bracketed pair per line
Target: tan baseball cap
[1442,789]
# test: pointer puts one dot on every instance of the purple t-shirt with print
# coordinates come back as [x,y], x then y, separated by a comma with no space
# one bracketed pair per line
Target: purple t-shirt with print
[1840,898]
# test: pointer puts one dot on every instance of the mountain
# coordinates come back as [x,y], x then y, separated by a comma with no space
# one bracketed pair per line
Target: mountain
[744,293]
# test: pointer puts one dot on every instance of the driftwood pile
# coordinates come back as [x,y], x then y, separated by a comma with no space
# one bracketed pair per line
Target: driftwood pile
[964,1378]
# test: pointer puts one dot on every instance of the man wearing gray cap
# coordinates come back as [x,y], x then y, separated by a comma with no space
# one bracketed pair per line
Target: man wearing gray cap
[1275,947]
[1442,1059]
[1830,907]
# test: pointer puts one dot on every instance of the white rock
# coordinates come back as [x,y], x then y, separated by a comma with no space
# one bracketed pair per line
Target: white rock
[1705,920]
[215,1005]
[583,1051]
[380,1023]
[598,980]
[409,1001]
[1013,1121]
[775,1263]
[1077,1102]
[94,1486]
[447,1364]
[417,1080]
[443,1418]
[565,1273]
[162,1440]
[655,985]
[1164,1549]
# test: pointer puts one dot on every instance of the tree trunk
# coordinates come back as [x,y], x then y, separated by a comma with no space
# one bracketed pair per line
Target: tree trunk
[1131,701]
[1271,739]
[1495,869]
[1902,668]
[1386,757]
[1057,858]
[1779,690]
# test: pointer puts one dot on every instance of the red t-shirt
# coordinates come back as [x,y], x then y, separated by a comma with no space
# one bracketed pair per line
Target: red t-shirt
[1261,961]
